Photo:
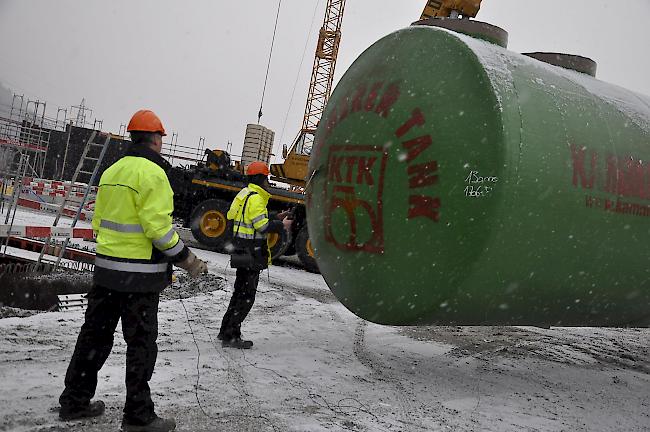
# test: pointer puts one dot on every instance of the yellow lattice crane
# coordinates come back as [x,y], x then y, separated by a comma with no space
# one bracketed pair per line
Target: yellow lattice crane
[294,168]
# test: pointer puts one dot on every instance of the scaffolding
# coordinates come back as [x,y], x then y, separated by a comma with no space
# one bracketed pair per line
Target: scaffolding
[178,153]
[23,138]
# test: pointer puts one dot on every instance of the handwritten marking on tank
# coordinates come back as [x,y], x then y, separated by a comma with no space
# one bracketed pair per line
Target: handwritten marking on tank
[354,191]
[615,177]
[477,185]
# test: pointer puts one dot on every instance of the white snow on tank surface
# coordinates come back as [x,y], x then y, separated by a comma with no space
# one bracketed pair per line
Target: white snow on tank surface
[499,63]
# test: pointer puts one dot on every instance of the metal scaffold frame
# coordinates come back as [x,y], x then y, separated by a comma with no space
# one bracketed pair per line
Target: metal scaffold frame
[179,153]
[24,142]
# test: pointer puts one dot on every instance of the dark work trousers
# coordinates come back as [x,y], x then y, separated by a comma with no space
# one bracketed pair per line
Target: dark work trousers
[241,303]
[139,314]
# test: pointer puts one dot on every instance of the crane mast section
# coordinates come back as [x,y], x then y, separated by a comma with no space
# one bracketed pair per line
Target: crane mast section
[320,86]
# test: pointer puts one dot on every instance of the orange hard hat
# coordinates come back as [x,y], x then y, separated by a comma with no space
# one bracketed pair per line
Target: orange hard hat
[257,168]
[145,121]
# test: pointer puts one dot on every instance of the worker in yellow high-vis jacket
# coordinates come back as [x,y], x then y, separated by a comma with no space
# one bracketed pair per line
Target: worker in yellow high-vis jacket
[251,226]
[136,247]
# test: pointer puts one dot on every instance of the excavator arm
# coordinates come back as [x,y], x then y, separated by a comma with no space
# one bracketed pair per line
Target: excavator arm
[451,8]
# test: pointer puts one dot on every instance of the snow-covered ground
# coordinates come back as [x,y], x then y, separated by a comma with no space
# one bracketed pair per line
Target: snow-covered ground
[317,367]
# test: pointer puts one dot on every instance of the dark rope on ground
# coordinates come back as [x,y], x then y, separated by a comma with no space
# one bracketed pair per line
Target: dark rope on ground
[340,408]
[219,417]
[198,356]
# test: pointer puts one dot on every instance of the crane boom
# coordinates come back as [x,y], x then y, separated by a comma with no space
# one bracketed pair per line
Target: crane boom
[320,87]
[294,169]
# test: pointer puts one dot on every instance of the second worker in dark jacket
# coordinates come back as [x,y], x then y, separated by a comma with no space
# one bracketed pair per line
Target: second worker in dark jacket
[251,224]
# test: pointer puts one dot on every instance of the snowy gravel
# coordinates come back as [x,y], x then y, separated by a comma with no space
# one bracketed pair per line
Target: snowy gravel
[317,367]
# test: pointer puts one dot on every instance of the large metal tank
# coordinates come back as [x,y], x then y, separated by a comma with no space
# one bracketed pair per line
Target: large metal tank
[456,182]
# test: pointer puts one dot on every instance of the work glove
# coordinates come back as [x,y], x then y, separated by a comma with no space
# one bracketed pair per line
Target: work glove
[284,214]
[193,266]
[286,223]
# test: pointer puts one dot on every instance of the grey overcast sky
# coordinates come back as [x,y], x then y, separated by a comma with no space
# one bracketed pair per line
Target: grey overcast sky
[200,64]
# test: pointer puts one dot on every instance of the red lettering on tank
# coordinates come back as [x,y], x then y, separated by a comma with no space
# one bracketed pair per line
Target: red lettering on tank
[611,176]
[424,206]
[355,200]
[417,146]
[417,119]
[361,100]
[371,100]
[345,110]
[622,176]
[334,169]
[364,173]
[350,161]
[357,169]
[628,177]
[357,100]
[618,206]
[633,179]
[391,95]
[423,174]
[578,158]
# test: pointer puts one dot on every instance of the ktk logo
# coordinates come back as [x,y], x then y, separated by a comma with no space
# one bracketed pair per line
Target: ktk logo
[353,191]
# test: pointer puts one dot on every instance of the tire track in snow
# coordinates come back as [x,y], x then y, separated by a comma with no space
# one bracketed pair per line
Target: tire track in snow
[407,412]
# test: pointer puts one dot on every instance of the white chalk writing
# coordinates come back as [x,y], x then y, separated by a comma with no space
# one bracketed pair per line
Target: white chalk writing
[479,186]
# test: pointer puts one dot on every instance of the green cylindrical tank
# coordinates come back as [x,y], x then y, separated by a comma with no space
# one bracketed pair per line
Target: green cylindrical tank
[456,182]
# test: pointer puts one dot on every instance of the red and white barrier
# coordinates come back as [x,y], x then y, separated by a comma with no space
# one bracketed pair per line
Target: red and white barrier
[53,208]
[45,231]
[57,185]
[50,192]
[53,193]
[16,143]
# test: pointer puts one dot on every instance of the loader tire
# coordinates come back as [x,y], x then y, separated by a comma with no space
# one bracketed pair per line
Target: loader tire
[210,226]
[278,242]
[306,251]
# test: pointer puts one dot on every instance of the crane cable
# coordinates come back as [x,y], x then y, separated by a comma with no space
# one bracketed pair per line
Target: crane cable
[268,66]
[302,61]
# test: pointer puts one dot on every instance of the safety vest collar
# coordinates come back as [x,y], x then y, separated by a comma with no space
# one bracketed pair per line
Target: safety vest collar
[143,151]
[260,191]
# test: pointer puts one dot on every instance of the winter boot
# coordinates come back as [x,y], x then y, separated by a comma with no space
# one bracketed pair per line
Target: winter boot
[156,425]
[237,343]
[93,409]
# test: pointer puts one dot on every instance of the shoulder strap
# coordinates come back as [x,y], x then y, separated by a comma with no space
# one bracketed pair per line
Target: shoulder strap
[241,220]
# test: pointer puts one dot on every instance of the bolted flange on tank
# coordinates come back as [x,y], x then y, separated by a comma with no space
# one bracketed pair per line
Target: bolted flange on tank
[455,182]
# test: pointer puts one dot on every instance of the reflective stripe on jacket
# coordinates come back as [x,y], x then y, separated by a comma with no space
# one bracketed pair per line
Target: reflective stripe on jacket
[133,222]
